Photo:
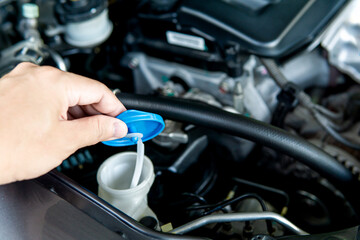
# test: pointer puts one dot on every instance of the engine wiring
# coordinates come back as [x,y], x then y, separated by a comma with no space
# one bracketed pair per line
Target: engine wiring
[268,189]
[220,205]
[322,115]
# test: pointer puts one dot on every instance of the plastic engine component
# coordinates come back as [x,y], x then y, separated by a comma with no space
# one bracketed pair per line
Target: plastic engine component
[148,124]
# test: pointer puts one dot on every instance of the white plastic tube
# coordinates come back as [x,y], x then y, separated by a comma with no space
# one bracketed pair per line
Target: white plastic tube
[139,158]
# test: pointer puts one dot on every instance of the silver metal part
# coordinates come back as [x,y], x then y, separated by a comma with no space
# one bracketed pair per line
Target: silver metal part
[172,136]
[196,94]
[236,217]
[59,61]
[259,92]
[238,97]
[254,93]
[307,70]
[24,51]
[342,41]
[28,50]
[214,88]
[32,48]
[177,137]
[151,74]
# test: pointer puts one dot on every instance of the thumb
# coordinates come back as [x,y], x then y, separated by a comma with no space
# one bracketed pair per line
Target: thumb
[91,130]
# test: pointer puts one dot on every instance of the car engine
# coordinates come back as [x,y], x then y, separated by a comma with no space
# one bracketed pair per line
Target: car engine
[261,101]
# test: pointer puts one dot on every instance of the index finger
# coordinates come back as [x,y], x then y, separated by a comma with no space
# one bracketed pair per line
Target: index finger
[85,91]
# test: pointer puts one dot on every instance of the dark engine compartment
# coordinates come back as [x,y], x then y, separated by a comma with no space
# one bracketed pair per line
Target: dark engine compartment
[258,116]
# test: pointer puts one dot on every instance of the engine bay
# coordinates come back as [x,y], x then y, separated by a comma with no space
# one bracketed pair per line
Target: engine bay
[260,98]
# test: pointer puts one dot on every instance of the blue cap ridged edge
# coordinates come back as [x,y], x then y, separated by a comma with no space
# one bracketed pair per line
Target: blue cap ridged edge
[132,116]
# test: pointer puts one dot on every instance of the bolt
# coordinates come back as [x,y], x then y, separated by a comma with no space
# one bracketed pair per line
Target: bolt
[224,87]
[134,63]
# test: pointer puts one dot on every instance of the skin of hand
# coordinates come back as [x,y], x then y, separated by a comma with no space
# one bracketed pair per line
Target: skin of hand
[46,115]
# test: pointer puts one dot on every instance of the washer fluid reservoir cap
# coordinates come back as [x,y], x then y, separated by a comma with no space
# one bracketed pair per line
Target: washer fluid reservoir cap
[148,124]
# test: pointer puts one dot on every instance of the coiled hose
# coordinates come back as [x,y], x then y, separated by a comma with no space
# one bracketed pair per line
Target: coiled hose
[207,116]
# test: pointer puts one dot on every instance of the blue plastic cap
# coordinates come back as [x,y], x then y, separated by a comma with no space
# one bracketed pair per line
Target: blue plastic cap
[148,124]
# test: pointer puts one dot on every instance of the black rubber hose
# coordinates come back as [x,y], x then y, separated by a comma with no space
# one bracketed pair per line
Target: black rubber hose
[207,116]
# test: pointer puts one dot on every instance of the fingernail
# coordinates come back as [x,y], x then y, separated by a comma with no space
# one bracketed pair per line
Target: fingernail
[120,129]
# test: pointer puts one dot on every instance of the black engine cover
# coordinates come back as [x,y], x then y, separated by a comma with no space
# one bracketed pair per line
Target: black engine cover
[263,27]
[269,28]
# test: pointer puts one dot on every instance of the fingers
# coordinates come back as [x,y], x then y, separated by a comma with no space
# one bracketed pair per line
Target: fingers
[69,116]
[77,112]
[84,91]
[90,110]
[91,130]
[78,90]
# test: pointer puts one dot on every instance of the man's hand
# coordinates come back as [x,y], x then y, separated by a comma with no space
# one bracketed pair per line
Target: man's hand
[47,114]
